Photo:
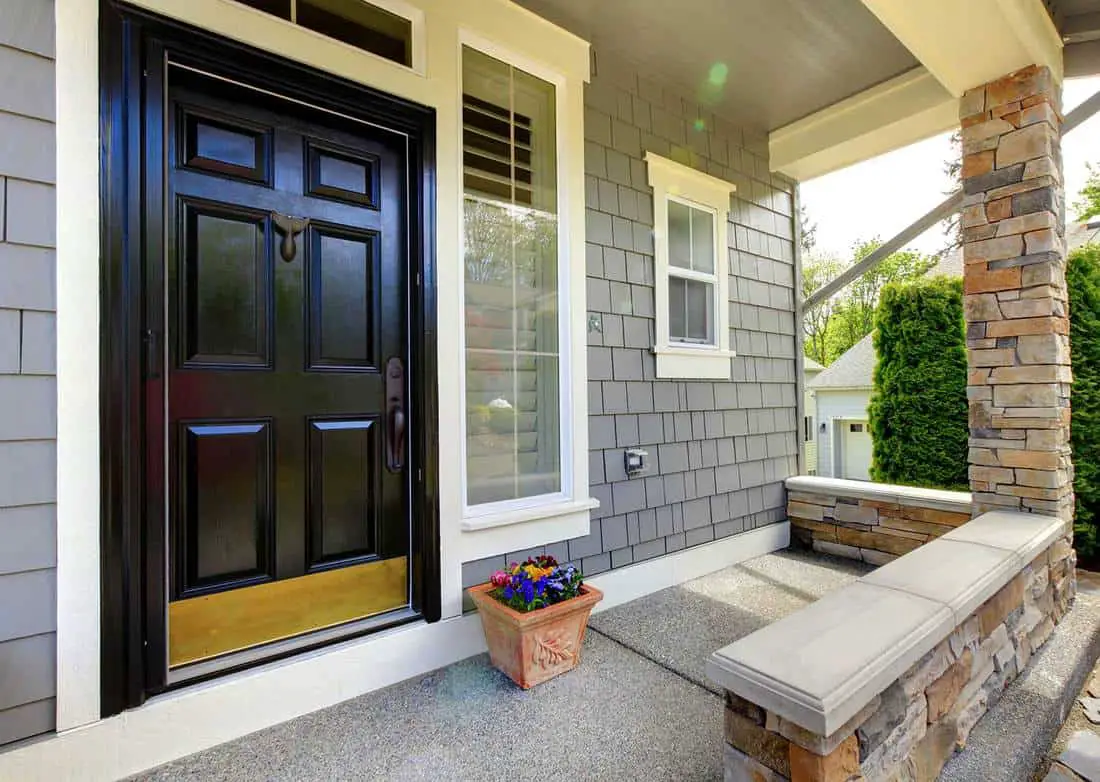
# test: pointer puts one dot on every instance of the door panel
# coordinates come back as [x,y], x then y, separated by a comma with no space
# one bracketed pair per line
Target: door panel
[222,145]
[286,292]
[343,270]
[226,281]
[342,175]
[343,507]
[227,503]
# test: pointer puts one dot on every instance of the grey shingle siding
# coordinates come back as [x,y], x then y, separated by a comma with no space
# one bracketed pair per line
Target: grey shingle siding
[719,451]
[28,407]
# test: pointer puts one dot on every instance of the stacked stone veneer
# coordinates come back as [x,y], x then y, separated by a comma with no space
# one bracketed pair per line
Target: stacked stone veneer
[1017,326]
[908,732]
[875,523]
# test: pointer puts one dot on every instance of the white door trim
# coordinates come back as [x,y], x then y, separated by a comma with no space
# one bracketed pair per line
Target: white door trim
[78,445]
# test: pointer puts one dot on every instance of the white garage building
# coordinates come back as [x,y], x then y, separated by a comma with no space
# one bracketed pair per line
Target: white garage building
[841,394]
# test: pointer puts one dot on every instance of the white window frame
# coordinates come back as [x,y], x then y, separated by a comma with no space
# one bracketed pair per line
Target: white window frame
[672,181]
[572,499]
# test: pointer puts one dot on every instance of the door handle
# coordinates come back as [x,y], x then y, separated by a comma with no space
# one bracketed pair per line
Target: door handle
[151,338]
[395,414]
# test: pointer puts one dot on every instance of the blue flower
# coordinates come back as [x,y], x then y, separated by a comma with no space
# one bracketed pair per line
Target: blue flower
[508,593]
[528,592]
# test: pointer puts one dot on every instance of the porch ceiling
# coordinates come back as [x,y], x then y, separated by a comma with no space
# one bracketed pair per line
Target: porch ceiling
[786,58]
[1079,23]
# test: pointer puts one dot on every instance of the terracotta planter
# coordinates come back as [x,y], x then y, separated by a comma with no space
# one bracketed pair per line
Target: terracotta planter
[535,646]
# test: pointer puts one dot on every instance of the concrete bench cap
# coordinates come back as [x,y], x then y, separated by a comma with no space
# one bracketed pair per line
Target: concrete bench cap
[905,495]
[821,665]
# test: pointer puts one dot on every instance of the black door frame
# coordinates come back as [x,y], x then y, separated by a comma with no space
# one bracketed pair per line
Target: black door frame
[133,561]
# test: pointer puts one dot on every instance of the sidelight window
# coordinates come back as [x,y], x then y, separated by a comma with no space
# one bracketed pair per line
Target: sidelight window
[513,401]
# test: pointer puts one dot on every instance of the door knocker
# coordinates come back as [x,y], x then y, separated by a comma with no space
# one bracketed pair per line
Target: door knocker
[289,227]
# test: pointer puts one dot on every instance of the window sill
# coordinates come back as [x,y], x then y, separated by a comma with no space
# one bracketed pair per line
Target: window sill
[531,513]
[693,363]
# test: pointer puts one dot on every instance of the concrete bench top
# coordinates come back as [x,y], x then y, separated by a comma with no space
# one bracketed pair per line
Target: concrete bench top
[819,666]
[904,495]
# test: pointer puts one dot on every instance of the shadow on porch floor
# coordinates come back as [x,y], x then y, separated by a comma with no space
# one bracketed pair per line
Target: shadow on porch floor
[639,703]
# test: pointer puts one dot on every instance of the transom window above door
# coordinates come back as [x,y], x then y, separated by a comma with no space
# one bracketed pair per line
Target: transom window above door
[378,28]
[691,212]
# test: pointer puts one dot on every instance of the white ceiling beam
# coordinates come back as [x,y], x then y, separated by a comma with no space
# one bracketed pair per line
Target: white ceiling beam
[966,44]
[906,109]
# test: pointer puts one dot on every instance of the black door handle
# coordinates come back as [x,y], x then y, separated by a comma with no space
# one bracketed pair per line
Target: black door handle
[395,414]
[151,338]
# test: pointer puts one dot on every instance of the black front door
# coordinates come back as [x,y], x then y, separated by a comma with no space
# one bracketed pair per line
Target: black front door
[285,303]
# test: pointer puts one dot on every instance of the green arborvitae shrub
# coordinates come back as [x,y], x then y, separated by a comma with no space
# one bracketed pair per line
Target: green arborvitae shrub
[1083,281]
[918,408]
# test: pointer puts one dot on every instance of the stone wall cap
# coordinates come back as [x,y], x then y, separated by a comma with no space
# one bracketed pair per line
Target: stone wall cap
[820,665]
[958,574]
[1026,534]
[939,499]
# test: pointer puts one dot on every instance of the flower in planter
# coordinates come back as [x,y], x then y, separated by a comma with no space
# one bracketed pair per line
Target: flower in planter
[537,583]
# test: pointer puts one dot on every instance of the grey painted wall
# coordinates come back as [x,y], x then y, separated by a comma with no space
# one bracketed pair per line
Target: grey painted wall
[719,451]
[28,408]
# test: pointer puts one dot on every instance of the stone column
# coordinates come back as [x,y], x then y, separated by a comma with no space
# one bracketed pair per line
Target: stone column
[1016,305]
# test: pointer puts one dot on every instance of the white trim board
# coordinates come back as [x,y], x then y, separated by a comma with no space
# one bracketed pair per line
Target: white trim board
[193,719]
[78,443]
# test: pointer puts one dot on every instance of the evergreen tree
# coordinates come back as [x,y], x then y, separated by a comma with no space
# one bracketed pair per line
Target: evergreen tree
[918,407]
[1083,281]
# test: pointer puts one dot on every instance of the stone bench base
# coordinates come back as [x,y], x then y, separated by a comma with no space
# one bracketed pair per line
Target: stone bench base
[873,522]
[886,685]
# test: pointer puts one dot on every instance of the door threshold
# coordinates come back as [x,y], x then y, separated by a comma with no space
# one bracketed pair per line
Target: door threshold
[277,650]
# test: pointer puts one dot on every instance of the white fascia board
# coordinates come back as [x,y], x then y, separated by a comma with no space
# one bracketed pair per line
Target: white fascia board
[894,114]
[965,45]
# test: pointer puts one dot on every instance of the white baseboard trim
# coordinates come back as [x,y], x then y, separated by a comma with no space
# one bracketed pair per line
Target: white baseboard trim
[634,581]
[190,720]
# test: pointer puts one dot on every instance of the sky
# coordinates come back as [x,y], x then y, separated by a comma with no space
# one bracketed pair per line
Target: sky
[881,196]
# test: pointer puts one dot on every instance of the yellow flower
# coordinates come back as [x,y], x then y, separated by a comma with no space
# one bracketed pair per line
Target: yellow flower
[535,572]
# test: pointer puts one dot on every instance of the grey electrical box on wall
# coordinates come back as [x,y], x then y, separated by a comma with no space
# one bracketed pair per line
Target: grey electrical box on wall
[635,461]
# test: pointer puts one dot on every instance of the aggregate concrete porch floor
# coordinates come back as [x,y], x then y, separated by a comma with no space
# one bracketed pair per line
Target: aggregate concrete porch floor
[638,706]
[679,627]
